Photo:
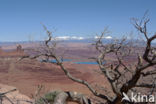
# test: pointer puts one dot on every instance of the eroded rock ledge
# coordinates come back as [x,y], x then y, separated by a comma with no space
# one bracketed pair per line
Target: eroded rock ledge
[14,96]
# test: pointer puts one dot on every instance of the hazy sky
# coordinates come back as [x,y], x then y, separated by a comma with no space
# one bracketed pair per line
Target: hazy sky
[20,19]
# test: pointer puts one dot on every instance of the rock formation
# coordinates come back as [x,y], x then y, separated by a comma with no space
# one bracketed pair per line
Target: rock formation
[13,95]
[19,48]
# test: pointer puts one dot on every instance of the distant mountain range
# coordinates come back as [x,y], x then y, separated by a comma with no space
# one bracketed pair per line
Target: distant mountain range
[62,39]
[71,39]
[79,38]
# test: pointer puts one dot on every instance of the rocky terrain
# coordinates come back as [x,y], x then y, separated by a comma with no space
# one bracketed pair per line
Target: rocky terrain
[27,74]
[15,96]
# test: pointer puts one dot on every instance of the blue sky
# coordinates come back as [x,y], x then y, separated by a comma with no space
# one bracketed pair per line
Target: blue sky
[20,19]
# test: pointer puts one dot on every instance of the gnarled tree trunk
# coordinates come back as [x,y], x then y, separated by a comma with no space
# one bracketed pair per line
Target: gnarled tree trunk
[61,97]
[64,97]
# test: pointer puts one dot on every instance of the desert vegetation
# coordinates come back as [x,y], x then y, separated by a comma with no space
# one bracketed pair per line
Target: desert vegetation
[123,77]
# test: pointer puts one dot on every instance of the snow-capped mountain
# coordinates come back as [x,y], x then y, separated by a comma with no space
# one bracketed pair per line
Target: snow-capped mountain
[79,37]
[106,37]
[69,38]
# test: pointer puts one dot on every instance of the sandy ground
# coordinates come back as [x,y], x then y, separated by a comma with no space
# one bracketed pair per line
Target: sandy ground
[27,74]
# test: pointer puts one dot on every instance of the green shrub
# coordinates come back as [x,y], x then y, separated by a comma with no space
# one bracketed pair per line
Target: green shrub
[48,98]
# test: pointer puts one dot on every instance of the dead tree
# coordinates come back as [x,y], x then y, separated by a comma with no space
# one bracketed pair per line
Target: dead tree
[122,77]
[3,95]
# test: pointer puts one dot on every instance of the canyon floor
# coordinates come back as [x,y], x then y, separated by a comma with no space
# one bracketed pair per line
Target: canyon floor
[27,74]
